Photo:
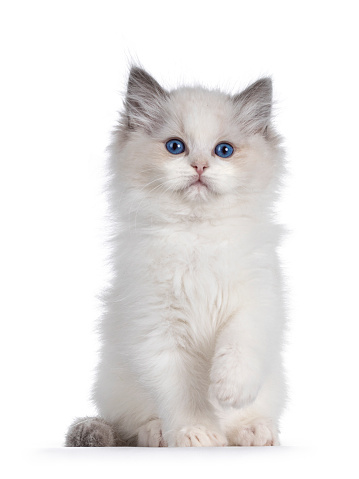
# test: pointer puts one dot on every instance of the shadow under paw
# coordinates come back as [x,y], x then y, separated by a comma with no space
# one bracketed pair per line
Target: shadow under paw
[90,432]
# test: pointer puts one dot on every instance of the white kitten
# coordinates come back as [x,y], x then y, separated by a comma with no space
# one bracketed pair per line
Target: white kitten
[193,326]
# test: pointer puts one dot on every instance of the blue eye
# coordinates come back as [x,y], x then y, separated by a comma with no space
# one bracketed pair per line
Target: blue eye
[175,146]
[224,150]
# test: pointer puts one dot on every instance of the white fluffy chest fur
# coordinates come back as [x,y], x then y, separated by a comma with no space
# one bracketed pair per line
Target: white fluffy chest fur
[188,280]
[193,273]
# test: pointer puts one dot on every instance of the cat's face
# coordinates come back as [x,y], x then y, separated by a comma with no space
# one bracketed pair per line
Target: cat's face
[196,144]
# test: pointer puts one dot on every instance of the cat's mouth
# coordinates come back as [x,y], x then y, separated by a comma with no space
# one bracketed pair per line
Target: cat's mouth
[199,183]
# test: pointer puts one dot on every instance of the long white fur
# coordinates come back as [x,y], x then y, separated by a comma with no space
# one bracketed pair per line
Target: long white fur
[193,322]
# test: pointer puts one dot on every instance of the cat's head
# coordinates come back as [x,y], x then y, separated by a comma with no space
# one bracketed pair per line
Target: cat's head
[194,144]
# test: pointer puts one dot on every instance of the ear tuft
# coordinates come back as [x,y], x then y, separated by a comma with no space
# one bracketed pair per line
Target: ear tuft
[254,106]
[144,100]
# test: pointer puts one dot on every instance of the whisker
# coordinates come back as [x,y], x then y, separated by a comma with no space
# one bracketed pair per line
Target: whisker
[143,199]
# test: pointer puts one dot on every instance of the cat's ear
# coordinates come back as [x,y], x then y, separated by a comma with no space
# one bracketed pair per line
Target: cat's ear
[144,100]
[254,106]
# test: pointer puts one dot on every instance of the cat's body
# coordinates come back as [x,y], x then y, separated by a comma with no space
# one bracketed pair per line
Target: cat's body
[193,325]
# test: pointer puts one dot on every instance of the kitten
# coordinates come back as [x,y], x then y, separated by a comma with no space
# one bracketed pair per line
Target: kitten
[192,332]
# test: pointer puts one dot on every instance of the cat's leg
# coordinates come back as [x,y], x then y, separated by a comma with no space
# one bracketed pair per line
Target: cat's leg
[189,419]
[246,372]
[181,415]
[248,345]
[176,374]
[257,424]
[126,406]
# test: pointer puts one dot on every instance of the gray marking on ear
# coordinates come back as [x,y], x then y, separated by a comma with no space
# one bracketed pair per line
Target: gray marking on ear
[254,106]
[144,100]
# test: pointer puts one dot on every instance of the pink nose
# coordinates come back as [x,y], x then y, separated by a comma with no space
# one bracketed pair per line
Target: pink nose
[199,167]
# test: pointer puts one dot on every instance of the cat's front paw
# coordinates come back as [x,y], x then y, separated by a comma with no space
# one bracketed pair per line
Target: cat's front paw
[232,383]
[150,434]
[199,436]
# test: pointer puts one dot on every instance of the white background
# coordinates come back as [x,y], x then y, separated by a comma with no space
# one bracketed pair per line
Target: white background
[63,69]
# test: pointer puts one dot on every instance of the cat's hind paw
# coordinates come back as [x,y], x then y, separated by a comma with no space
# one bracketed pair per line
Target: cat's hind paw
[90,432]
[257,434]
[199,436]
[150,434]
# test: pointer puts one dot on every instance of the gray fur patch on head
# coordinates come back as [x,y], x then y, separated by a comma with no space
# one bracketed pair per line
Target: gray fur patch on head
[144,100]
[254,106]
[90,432]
